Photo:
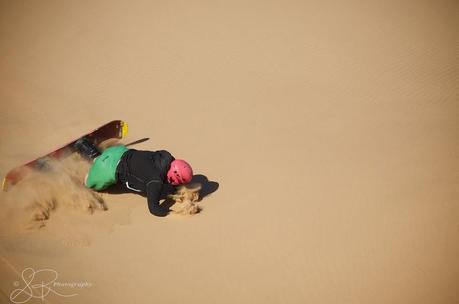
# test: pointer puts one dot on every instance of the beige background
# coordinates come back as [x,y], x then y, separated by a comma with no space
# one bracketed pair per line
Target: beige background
[331,127]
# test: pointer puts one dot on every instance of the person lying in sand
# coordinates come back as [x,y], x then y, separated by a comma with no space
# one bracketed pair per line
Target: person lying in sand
[135,170]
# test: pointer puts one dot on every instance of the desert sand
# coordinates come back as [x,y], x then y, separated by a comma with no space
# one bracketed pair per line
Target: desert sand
[330,128]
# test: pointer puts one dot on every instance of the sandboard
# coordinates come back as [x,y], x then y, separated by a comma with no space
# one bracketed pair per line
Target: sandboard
[115,129]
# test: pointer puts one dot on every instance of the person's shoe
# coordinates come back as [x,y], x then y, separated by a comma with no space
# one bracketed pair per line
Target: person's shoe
[86,148]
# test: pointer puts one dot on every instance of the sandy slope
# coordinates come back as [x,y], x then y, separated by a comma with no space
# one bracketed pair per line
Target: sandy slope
[331,128]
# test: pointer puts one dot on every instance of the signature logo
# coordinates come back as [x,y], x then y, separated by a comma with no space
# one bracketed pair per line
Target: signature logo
[39,284]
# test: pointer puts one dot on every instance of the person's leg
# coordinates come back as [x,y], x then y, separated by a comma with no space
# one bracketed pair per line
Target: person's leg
[102,173]
[86,148]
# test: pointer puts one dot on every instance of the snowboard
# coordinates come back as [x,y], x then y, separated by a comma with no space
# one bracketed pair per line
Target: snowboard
[115,129]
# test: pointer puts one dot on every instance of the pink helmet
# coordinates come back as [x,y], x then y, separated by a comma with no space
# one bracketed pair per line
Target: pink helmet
[179,173]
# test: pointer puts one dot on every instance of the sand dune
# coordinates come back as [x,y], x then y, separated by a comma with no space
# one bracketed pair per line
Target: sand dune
[325,134]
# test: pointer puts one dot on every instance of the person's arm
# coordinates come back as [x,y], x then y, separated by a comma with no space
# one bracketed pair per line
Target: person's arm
[153,196]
